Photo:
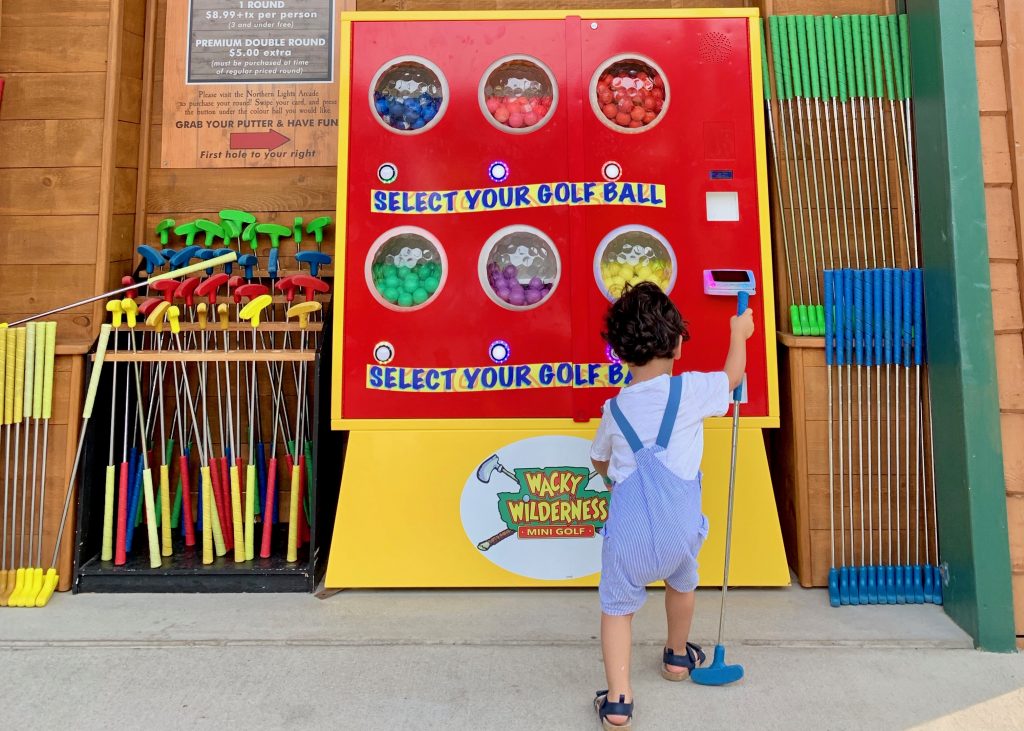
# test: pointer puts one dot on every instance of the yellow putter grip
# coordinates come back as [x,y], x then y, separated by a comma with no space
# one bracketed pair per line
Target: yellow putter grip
[255,307]
[4,332]
[219,546]
[19,374]
[49,586]
[293,515]
[205,486]
[14,600]
[156,317]
[97,371]
[51,354]
[251,485]
[131,311]
[147,494]
[224,315]
[174,317]
[236,516]
[165,510]
[40,371]
[107,549]
[30,370]
[9,369]
[193,268]
[203,315]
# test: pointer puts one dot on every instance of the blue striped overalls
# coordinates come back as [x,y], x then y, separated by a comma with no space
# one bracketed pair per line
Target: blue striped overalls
[655,527]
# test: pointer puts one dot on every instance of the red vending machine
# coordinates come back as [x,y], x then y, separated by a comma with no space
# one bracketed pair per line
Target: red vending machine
[502,177]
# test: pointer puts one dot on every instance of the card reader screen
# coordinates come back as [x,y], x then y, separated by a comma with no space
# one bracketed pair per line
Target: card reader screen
[730,275]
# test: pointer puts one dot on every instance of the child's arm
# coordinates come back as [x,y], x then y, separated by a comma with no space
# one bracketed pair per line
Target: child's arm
[602,469]
[741,327]
[601,448]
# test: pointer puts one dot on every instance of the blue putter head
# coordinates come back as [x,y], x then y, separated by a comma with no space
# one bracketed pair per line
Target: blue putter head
[901,592]
[247,262]
[314,259]
[221,252]
[717,673]
[890,585]
[273,263]
[872,585]
[918,585]
[833,587]
[844,585]
[928,577]
[184,257]
[936,584]
[151,258]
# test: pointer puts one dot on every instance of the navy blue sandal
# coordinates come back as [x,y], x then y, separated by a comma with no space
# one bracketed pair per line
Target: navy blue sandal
[694,656]
[606,708]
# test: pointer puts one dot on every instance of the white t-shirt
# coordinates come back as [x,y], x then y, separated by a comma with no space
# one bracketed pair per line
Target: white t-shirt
[643,405]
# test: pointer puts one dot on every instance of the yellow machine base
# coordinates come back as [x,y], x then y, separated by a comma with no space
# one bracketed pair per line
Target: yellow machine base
[402,513]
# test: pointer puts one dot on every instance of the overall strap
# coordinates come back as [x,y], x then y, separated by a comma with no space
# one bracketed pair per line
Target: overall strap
[668,421]
[625,427]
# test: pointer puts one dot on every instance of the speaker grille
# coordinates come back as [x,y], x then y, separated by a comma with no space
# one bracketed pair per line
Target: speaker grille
[714,47]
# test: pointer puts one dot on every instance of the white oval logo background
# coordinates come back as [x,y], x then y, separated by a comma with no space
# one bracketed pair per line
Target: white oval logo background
[548,559]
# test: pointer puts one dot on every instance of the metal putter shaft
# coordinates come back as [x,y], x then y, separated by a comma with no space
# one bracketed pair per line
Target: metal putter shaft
[718,672]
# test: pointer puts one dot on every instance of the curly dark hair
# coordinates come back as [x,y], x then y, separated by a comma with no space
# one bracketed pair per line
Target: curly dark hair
[644,324]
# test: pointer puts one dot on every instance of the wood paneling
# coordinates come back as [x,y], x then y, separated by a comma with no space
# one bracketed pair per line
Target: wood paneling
[68,48]
[50,142]
[278,189]
[53,96]
[49,191]
[35,14]
[1010,367]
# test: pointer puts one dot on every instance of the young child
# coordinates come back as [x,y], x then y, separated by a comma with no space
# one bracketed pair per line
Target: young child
[648,449]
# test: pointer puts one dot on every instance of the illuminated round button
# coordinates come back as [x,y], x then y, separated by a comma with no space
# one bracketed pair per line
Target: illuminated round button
[611,355]
[499,351]
[611,170]
[383,352]
[498,171]
[387,173]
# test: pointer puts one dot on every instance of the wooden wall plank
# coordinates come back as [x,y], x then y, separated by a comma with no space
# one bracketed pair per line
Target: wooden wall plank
[33,13]
[130,99]
[71,239]
[131,55]
[991,81]
[995,149]
[53,96]
[82,48]
[987,27]
[122,238]
[50,143]
[1010,369]
[1013,455]
[135,17]
[273,189]
[127,145]
[1006,307]
[1002,230]
[49,191]
[124,190]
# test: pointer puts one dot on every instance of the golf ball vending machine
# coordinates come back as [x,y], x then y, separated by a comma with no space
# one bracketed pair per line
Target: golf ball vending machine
[502,178]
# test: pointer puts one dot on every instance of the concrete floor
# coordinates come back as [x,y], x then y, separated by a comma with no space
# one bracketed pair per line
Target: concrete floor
[484,660]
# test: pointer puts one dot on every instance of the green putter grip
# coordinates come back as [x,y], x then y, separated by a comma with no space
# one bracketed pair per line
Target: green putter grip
[97,371]
[865,39]
[819,32]
[801,41]
[51,354]
[830,55]
[797,88]
[812,57]
[858,57]
[197,267]
[794,320]
[780,56]
[851,74]
[905,54]
[890,85]
[876,53]
[839,58]
[766,86]
[894,54]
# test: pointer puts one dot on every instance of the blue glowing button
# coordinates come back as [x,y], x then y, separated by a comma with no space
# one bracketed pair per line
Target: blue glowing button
[383,352]
[387,173]
[499,351]
[611,355]
[611,171]
[498,171]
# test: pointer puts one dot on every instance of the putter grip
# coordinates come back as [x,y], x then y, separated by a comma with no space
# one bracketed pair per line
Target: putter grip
[51,351]
[197,267]
[293,515]
[908,322]
[840,59]
[858,56]
[865,39]
[918,286]
[742,303]
[19,373]
[147,496]
[4,334]
[876,52]
[107,549]
[30,370]
[905,54]
[97,371]
[894,54]
[858,314]
[851,68]
[897,316]
[780,56]
[814,79]
[165,510]
[885,40]
[837,298]
[869,317]
[828,25]
[39,371]
[887,315]
[829,294]
[848,313]
[879,332]
[766,86]
[208,521]
[268,514]
[791,24]
[819,35]
[801,41]
[243,532]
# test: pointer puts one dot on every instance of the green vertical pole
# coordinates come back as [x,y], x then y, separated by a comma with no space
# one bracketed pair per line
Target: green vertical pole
[970,489]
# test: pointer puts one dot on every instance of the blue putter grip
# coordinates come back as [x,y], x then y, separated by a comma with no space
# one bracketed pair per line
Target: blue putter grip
[829,314]
[272,263]
[151,257]
[837,300]
[314,259]
[858,314]
[848,313]
[887,314]
[742,303]
[918,287]
[897,316]
[908,322]
[869,320]
[222,252]
[247,262]
[876,287]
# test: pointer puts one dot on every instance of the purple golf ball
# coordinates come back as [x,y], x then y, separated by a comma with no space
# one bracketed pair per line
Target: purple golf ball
[536,283]
[517,297]
[533,296]
[503,293]
[511,272]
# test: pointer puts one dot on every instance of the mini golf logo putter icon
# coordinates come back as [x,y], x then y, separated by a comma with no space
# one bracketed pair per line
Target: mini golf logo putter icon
[550,502]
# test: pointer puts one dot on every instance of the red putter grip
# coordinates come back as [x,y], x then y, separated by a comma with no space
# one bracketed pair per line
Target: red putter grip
[166,287]
[251,291]
[186,500]
[127,281]
[186,290]
[147,306]
[268,519]
[287,286]
[210,286]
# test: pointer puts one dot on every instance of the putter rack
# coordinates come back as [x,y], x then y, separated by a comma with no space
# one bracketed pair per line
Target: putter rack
[137,570]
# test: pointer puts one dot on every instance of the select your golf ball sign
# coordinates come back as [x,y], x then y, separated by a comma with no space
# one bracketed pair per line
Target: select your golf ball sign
[537,509]
[496,378]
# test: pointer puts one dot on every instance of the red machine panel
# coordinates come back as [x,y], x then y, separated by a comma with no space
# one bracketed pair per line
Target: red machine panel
[703,143]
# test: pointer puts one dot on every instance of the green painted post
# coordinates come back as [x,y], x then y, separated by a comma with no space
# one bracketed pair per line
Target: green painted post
[970,488]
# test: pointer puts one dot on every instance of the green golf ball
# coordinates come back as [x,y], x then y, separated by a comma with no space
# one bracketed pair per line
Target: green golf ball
[431,284]
[391,294]
[420,296]
[392,280]
[405,300]
[389,269]
[411,283]
[403,272]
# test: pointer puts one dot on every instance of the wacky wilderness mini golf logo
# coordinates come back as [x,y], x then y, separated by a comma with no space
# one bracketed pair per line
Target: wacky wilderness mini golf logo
[545,522]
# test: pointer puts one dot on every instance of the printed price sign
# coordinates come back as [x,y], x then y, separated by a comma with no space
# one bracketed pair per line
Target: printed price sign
[250,83]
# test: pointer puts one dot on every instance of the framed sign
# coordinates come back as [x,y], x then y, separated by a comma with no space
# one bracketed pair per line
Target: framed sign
[250,83]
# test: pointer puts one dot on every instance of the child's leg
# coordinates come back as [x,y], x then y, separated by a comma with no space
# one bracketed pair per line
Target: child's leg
[616,645]
[679,611]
